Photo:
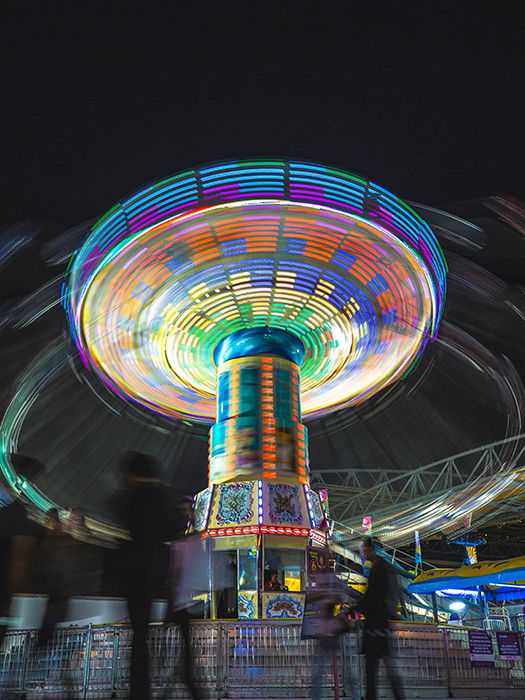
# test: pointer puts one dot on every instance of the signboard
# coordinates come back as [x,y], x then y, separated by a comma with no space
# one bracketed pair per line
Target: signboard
[318,561]
[480,647]
[311,627]
[508,645]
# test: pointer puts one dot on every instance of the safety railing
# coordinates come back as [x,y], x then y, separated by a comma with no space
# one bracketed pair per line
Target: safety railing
[497,622]
[252,659]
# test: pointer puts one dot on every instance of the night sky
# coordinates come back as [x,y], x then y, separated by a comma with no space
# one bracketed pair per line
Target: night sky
[99,98]
[425,98]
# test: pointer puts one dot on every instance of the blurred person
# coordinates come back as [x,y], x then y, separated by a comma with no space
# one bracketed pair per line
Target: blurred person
[143,507]
[327,594]
[188,514]
[189,575]
[379,605]
[85,558]
[52,567]
[19,539]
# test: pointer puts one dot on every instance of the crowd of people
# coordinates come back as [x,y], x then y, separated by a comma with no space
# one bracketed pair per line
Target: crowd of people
[59,558]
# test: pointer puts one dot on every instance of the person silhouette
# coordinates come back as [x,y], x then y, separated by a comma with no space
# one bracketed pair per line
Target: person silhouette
[19,539]
[144,508]
[188,575]
[379,605]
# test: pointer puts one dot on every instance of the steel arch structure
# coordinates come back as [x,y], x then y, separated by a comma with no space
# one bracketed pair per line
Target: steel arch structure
[386,494]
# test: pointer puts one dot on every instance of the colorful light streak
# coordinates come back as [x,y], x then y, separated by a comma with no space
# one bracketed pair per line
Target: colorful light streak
[337,260]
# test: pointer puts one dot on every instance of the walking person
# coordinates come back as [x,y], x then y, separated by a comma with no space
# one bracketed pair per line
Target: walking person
[52,565]
[379,606]
[85,569]
[188,576]
[144,508]
[52,570]
[19,540]
[326,626]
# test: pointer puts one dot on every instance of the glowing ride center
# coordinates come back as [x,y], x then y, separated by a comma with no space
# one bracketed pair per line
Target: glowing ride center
[255,295]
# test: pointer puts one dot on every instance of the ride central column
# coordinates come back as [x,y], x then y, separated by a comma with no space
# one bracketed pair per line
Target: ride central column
[258,434]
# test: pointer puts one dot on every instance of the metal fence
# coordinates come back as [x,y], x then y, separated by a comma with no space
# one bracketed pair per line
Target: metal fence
[252,659]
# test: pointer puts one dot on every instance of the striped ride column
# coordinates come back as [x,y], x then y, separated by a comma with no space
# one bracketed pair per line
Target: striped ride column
[258,433]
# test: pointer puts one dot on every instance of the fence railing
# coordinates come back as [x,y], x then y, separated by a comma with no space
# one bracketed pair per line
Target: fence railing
[252,659]
[500,622]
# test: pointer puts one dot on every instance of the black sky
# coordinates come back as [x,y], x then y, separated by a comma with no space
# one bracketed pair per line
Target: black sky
[426,98]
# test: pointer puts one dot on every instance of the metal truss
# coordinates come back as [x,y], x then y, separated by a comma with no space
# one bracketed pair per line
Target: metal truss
[377,492]
[436,550]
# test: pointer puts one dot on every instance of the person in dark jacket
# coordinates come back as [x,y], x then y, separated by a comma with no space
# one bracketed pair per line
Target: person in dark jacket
[19,540]
[144,508]
[379,606]
[327,593]
[52,565]
[188,575]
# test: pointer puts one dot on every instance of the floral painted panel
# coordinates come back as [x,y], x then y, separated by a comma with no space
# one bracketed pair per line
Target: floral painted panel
[284,506]
[282,606]
[235,504]
[246,605]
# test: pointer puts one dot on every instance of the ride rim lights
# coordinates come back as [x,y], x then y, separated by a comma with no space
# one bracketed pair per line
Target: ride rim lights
[339,262]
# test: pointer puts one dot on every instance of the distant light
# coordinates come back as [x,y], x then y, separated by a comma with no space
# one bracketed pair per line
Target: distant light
[457,606]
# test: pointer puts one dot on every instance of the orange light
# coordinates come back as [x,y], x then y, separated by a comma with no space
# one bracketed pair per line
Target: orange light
[264,530]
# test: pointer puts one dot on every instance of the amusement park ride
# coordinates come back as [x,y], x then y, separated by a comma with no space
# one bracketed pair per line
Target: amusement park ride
[252,296]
